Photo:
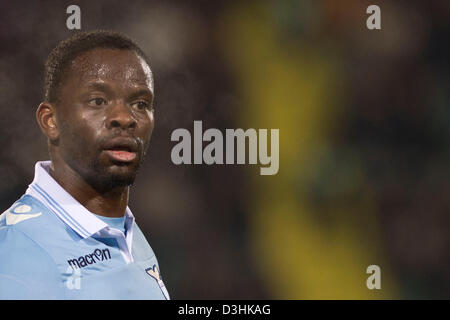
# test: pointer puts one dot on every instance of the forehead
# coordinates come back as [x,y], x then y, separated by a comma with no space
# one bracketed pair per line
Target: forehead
[124,66]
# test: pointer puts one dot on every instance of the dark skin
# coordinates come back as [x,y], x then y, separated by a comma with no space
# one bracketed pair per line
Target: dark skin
[100,127]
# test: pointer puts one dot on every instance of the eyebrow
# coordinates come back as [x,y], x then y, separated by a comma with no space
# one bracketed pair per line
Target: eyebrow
[141,92]
[99,86]
[106,88]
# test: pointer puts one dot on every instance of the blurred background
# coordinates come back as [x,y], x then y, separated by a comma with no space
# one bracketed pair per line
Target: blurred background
[364,124]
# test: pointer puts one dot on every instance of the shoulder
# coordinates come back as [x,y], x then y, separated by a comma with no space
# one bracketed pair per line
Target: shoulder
[27,208]
[21,227]
[17,247]
[27,271]
[30,217]
[141,248]
[25,229]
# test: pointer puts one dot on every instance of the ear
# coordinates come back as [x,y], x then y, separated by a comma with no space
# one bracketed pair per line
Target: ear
[46,118]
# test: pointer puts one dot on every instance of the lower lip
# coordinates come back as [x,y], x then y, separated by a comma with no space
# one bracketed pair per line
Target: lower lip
[123,156]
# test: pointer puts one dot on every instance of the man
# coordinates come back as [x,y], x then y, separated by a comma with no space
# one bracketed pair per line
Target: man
[72,235]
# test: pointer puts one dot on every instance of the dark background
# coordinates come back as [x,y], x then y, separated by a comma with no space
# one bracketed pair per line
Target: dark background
[364,124]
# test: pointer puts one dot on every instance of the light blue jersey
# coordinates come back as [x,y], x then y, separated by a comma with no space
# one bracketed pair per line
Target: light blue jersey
[52,247]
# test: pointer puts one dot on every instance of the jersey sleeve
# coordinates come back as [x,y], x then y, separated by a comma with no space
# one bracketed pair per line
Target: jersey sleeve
[26,270]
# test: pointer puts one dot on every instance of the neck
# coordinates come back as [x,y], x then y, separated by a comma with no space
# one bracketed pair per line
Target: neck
[107,203]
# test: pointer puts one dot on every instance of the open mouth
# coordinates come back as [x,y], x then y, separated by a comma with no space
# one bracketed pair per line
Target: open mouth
[122,150]
[121,155]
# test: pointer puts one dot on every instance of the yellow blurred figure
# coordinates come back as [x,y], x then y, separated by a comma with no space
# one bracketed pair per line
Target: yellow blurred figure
[293,87]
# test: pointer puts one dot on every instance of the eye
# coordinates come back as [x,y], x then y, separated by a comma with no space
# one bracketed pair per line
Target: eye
[97,102]
[141,105]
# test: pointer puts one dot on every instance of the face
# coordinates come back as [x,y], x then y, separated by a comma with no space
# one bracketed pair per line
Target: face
[105,116]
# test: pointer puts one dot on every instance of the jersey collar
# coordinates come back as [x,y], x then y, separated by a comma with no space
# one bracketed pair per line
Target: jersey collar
[74,214]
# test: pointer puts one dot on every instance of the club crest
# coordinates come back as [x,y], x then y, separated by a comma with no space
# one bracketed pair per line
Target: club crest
[154,273]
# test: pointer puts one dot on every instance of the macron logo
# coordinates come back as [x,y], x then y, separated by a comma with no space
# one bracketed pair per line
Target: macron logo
[19,214]
[92,258]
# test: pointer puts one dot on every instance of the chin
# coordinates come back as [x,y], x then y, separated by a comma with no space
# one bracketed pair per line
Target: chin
[114,175]
[122,175]
[121,181]
[113,181]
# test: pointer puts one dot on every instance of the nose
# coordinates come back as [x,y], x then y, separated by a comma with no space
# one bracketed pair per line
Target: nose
[121,116]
